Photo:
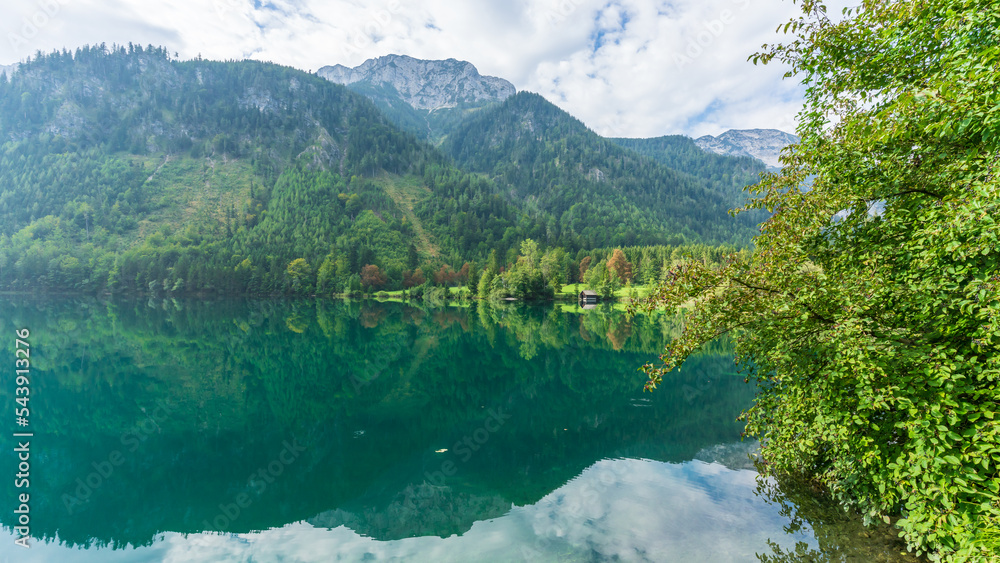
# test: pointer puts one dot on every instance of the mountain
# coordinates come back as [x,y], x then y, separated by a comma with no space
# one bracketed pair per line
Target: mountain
[424,97]
[423,84]
[763,144]
[593,188]
[723,173]
[433,99]
[125,170]
[141,102]
[7,70]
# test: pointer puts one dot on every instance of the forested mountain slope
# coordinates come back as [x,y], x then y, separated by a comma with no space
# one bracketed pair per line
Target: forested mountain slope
[593,188]
[124,170]
[727,174]
[121,168]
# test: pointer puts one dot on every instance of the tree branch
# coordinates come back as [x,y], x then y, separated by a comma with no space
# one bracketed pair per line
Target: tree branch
[915,191]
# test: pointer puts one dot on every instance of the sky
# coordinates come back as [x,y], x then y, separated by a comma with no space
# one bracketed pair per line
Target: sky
[627,68]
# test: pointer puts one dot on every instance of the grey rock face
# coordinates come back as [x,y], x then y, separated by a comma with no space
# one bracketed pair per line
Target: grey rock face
[8,69]
[427,85]
[763,144]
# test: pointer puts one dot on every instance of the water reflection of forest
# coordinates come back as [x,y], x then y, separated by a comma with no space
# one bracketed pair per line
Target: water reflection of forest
[372,390]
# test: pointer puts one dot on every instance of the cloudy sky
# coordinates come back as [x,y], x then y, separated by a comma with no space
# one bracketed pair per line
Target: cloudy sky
[636,68]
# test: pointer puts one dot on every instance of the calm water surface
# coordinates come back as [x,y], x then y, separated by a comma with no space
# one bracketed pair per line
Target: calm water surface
[169,430]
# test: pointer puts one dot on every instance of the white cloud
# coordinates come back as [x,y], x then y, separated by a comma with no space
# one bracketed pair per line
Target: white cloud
[624,67]
[702,512]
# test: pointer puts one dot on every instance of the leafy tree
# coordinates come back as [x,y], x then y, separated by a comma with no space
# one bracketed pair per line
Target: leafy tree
[326,274]
[530,253]
[412,258]
[524,280]
[445,276]
[601,279]
[417,278]
[584,265]
[299,274]
[372,277]
[471,278]
[868,314]
[553,267]
[353,205]
[493,262]
[485,284]
[621,267]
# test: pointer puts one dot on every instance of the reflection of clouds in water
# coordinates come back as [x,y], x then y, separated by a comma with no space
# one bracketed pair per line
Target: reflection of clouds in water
[660,512]
[632,510]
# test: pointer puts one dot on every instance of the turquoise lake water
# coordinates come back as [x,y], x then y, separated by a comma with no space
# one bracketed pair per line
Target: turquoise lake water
[233,430]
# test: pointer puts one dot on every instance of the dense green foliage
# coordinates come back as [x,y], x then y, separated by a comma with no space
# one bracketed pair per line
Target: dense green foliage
[724,174]
[596,193]
[869,312]
[538,274]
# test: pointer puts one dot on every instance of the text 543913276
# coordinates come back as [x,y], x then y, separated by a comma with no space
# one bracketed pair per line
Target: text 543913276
[22,394]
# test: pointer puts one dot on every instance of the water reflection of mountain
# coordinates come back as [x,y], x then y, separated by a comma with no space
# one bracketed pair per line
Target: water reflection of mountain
[197,397]
[735,456]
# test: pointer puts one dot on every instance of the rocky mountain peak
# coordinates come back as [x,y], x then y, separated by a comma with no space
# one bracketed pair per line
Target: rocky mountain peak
[426,85]
[763,144]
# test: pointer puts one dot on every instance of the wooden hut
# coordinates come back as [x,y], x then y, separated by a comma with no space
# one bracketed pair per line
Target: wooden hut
[588,296]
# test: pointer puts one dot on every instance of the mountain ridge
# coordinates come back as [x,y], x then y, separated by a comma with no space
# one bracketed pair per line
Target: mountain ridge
[425,84]
[762,144]
[679,152]
[431,98]
[540,154]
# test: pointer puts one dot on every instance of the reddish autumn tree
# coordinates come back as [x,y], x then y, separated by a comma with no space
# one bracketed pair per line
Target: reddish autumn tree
[445,276]
[372,277]
[584,266]
[620,265]
[413,278]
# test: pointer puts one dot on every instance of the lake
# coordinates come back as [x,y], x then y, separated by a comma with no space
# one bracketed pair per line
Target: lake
[315,430]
